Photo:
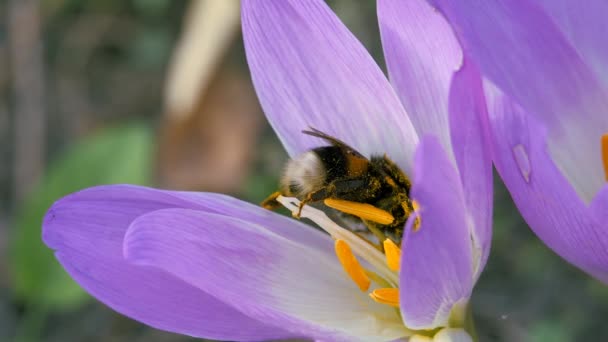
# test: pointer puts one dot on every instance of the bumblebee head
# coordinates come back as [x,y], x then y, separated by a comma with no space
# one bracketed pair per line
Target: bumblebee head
[304,174]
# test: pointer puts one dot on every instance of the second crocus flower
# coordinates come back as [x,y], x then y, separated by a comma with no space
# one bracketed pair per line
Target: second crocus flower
[546,64]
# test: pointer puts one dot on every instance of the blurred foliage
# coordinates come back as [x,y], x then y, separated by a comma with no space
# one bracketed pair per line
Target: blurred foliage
[528,293]
[115,155]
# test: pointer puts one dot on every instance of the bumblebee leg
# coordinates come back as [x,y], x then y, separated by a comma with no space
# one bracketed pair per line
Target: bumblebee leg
[315,196]
[270,202]
[335,189]
[302,204]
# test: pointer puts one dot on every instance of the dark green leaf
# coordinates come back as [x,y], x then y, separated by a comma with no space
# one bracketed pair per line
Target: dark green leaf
[116,155]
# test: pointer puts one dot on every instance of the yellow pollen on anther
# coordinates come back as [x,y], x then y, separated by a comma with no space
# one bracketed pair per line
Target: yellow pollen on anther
[393,255]
[362,210]
[417,222]
[351,265]
[388,296]
[605,153]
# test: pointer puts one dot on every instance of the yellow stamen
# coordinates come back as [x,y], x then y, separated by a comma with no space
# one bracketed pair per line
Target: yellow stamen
[393,255]
[605,153]
[388,296]
[351,265]
[362,210]
[416,207]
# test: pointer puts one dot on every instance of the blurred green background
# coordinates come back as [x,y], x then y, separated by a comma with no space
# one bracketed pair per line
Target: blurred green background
[157,92]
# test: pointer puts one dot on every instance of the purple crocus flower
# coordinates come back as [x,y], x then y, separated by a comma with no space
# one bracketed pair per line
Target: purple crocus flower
[547,64]
[208,265]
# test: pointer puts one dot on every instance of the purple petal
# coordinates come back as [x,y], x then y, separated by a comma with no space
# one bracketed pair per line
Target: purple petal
[471,142]
[520,48]
[309,70]
[149,199]
[585,26]
[87,229]
[421,54]
[599,207]
[436,263]
[544,197]
[267,276]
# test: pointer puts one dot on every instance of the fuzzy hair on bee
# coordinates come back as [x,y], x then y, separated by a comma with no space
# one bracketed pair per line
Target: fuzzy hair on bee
[303,175]
[339,173]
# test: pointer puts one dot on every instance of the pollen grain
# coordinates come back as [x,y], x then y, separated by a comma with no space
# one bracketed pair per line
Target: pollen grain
[351,265]
[416,208]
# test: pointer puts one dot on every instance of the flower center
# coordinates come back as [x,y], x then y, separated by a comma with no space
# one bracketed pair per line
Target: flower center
[605,153]
[349,245]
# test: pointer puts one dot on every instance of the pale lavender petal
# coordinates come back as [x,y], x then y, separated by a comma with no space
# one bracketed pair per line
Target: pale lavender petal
[86,229]
[471,142]
[267,276]
[421,54]
[150,199]
[585,26]
[436,262]
[520,48]
[543,196]
[309,70]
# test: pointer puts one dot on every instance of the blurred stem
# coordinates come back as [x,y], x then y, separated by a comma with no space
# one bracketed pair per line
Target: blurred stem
[27,74]
[469,323]
[30,327]
[462,317]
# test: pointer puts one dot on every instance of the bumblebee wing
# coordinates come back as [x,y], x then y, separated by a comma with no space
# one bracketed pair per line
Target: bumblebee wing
[333,141]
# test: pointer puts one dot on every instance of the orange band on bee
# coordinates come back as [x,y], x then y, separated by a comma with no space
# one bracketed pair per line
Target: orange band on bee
[362,210]
[605,153]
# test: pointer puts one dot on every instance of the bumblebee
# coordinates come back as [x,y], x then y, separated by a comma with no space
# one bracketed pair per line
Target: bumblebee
[374,191]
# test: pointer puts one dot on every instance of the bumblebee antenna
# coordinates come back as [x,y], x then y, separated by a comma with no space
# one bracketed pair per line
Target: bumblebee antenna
[333,141]
[317,133]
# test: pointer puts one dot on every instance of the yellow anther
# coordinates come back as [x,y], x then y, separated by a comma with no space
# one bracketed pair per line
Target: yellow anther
[388,296]
[393,255]
[351,265]
[362,210]
[416,207]
[605,153]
